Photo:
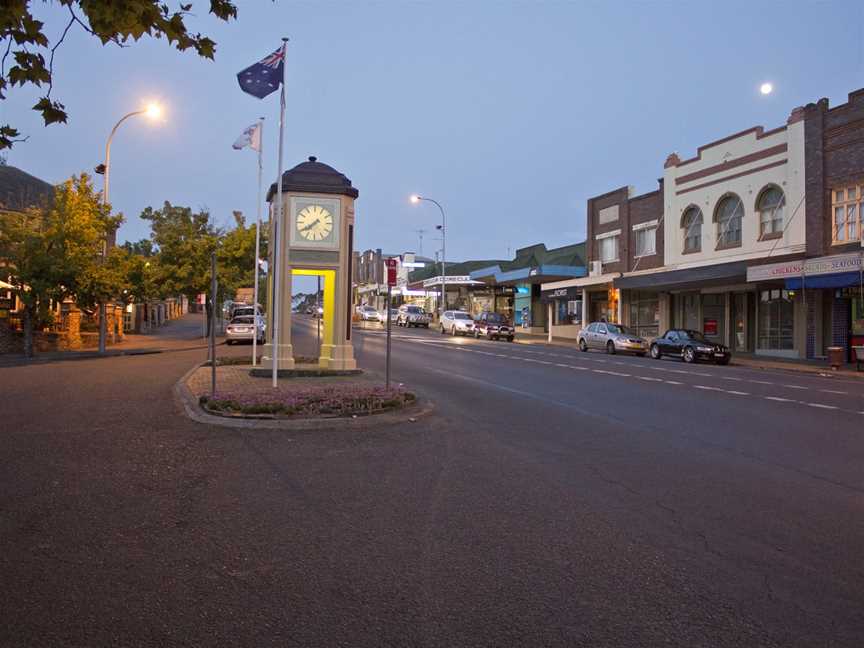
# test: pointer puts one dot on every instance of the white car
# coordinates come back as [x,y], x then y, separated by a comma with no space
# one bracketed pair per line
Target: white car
[369,314]
[457,323]
[382,314]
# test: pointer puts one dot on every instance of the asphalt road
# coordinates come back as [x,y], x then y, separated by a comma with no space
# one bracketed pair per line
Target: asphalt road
[555,498]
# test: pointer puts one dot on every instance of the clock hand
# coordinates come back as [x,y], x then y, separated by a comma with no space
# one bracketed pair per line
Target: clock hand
[310,225]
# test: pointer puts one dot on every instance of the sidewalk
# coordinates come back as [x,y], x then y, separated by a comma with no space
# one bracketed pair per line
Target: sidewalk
[181,334]
[741,360]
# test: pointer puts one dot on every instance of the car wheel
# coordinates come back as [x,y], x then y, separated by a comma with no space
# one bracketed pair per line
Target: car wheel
[510,339]
[489,336]
[655,352]
[442,330]
[476,335]
[723,361]
[583,345]
[689,355]
[453,331]
[610,347]
[426,326]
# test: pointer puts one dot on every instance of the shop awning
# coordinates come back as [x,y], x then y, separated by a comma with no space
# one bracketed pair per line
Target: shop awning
[836,280]
[700,277]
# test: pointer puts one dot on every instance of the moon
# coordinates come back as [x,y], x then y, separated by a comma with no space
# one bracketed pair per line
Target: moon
[766,88]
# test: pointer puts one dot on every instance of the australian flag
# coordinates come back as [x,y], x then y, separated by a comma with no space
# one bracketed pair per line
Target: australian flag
[263,77]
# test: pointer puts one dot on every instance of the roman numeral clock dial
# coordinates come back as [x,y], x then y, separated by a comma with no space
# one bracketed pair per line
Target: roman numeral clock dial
[314,223]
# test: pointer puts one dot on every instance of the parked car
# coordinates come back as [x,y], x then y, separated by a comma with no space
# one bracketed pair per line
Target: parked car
[410,315]
[494,326]
[457,323]
[690,346]
[382,315]
[610,337]
[242,310]
[243,328]
[368,314]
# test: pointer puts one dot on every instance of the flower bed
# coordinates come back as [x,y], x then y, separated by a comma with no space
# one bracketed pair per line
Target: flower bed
[310,402]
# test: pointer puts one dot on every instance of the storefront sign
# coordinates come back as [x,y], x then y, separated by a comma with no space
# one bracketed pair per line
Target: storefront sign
[568,294]
[451,279]
[709,326]
[807,267]
[391,271]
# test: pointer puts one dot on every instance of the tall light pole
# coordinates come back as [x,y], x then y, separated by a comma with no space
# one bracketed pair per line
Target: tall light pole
[153,111]
[443,227]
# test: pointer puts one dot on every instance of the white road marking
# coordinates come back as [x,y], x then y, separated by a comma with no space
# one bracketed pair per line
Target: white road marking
[820,405]
[611,373]
[778,399]
[649,379]
[731,378]
[707,388]
[673,382]
[760,382]
[737,393]
[833,391]
[794,386]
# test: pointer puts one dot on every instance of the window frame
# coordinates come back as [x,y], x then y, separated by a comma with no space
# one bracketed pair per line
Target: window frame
[699,219]
[761,211]
[851,227]
[613,240]
[726,244]
[646,231]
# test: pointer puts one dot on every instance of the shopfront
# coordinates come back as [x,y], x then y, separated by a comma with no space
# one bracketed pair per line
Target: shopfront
[805,306]
[565,310]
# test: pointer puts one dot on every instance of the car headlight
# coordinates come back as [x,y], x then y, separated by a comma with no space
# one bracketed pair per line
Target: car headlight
[704,349]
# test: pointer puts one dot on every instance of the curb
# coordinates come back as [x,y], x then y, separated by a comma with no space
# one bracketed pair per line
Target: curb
[94,355]
[188,404]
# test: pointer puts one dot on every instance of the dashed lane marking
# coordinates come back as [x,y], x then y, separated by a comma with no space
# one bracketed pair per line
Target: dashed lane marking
[649,379]
[737,393]
[833,391]
[708,388]
[611,373]
[673,382]
[794,386]
[819,405]
[779,399]
[760,382]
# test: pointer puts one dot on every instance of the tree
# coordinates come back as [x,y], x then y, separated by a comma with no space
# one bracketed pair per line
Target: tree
[236,255]
[185,240]
[110,21]
[55,252]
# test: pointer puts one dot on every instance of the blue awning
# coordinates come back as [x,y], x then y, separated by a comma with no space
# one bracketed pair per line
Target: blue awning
[836,280]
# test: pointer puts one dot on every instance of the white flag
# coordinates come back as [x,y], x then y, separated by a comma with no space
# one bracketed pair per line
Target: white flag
[251,137]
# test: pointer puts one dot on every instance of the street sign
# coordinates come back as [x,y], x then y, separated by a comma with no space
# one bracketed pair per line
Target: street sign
[391,271]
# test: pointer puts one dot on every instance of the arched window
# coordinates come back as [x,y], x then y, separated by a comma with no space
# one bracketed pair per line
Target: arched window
[770,207]
[691,225]
[728,215]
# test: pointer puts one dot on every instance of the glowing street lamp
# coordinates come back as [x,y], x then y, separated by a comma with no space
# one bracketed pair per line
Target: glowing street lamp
[153,111]
[416,199]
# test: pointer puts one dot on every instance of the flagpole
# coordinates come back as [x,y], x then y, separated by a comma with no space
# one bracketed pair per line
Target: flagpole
[277,252]
[257,245]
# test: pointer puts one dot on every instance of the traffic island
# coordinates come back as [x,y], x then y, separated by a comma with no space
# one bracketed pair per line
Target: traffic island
[314,401]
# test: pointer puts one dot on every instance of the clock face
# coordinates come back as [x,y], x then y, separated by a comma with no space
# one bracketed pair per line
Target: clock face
[314,223]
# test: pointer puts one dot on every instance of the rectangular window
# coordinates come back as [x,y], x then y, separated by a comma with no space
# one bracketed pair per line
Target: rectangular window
[776,318]
[644,314]
[608,249]
[847,213]
[646,241]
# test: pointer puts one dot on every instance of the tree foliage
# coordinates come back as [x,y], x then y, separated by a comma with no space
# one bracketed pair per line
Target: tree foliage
[55,252]
[28,54]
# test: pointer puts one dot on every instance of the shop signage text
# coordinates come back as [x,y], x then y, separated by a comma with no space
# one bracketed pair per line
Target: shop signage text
[807,267]
[451,279]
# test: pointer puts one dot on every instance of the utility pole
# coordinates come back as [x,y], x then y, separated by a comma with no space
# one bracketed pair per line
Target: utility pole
[213,287]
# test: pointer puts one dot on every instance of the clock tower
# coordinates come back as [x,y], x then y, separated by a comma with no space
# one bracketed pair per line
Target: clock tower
[315,239]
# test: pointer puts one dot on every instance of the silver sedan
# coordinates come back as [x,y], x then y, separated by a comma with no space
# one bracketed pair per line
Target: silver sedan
[243,329]
[612,338]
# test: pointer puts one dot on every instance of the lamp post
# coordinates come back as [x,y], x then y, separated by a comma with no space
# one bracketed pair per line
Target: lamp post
[443,227]
[153,111]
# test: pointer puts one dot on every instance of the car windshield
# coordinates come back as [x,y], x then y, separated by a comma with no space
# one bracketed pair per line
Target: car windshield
[495,318]
[242,320]
[696,336]
[461,316]
[616,328]
[368,309]
[414,309]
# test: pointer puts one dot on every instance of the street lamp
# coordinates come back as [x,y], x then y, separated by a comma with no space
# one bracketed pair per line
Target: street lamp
[153,111]
[416,199]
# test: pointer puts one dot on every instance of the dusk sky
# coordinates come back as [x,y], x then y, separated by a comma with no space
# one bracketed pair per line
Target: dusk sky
[510,114]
